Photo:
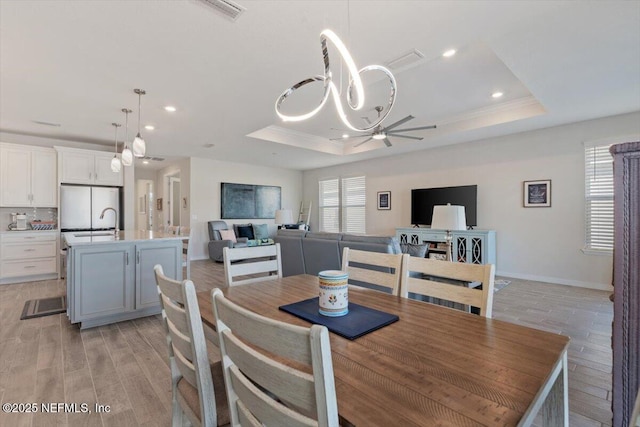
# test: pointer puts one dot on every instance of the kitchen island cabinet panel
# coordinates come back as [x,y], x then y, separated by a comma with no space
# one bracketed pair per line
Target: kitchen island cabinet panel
[148,255]
[106,279]
[111,279]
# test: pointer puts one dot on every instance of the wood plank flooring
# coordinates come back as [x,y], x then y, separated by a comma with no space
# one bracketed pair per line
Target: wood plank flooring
[125,365]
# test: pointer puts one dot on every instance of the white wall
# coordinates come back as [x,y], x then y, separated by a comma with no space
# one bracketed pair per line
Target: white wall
[206,176]
[532,243]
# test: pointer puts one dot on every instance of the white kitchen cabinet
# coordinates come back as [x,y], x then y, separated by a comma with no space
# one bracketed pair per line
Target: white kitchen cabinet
[28,256]
[28,176]
[87,167]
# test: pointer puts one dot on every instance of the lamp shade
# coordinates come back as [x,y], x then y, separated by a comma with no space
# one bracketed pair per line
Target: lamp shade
[284,216]
[448,218]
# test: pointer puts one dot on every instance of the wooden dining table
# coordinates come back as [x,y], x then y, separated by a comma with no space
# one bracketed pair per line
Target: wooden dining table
[435,366]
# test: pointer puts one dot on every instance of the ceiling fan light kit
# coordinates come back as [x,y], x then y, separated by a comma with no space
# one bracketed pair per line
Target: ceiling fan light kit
[382,133]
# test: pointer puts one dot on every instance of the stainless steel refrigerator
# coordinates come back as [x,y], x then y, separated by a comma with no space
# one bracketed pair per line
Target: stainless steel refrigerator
[81,206]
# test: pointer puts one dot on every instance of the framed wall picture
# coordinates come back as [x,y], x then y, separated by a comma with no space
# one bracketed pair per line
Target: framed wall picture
[159,204]
[384,200]
[537,194]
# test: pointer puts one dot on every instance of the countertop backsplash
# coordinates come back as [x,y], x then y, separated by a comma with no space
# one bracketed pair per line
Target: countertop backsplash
[43,214]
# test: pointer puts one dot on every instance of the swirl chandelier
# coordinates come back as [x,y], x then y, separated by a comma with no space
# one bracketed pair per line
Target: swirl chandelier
[355,86]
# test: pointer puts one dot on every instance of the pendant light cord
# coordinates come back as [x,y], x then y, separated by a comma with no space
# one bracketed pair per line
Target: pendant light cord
[139,103]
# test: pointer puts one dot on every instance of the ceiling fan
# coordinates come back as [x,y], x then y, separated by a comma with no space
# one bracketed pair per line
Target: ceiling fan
[383,132]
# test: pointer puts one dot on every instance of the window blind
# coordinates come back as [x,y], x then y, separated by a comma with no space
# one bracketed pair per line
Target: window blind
[342,205]
[353,205]
[599,198]
[329,205]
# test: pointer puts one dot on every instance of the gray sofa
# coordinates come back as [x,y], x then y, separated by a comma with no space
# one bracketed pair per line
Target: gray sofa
[216,243]
[306,252]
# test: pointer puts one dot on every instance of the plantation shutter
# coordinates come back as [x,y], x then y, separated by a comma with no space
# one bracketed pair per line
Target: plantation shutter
[353,205]
[329,205]
[599,198]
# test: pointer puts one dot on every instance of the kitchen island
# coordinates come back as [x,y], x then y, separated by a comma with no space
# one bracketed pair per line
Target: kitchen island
[110,278]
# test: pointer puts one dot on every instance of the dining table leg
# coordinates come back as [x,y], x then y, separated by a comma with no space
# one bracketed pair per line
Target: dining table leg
[555,411]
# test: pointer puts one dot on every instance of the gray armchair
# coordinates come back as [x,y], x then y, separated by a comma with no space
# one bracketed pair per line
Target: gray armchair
[216,243]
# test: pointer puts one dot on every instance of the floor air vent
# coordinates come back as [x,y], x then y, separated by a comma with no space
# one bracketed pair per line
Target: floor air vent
[228,8]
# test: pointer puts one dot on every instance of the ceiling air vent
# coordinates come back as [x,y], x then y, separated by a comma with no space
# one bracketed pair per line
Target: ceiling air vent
[155,159]
[405,60]
[228,8]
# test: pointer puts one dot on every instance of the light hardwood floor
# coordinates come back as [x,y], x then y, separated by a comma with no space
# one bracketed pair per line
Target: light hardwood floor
[125,365]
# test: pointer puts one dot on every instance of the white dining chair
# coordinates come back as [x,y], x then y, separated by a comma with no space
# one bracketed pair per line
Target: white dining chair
[436,277]
[262,389]
[387,275]
[258,262]
[187,245]
[197,383]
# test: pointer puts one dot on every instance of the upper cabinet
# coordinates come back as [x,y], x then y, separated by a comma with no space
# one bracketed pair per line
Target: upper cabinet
[27,176]
[87,167]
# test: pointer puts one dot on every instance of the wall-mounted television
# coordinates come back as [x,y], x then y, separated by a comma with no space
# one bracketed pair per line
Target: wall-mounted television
[424,199]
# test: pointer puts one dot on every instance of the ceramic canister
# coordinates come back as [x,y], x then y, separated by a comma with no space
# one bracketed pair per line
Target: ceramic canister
[334,293]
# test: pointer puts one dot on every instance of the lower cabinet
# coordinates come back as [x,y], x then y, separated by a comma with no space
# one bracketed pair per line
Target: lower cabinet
[108,283]
[470,246]
[28,256]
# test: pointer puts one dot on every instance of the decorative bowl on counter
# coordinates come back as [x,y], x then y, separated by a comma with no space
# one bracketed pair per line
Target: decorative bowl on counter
[43,225]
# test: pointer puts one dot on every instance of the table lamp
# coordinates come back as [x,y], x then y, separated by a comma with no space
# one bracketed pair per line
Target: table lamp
[448,218]
[283,216]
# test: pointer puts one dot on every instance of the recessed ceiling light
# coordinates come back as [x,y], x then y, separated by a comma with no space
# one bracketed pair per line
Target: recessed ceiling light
[170,108]
[345,135]
[146,162]
[149,127]
[496,94]
[449,53]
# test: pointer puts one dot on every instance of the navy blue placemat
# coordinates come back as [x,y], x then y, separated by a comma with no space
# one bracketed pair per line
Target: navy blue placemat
[358,322]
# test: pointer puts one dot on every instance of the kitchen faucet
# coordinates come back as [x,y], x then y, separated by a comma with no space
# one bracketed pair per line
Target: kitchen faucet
[116,231]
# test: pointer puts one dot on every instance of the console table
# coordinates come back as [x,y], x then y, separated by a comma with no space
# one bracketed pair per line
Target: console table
[470,246]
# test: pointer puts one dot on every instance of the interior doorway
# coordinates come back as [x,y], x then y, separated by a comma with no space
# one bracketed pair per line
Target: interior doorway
[174,200]
[145,216]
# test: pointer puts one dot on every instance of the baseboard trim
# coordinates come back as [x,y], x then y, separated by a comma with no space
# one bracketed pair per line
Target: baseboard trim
[557,281]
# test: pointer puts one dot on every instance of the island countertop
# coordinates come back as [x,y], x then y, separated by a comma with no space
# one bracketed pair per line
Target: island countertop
[105,237]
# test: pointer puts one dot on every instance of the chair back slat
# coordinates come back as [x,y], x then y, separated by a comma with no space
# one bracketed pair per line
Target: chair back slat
[187,347]
[389,279]
[282,381]
[272,335]
[262,407]
[181,342]
[436,269]
[253,263]
[263,389]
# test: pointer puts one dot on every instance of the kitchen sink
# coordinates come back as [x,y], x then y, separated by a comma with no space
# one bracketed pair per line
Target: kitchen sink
[106,233]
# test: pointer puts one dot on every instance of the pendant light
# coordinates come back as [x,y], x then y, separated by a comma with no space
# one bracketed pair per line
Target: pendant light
[127,156]
[115,162]
[139,146]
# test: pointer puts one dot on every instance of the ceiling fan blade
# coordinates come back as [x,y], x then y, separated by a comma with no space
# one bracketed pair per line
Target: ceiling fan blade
[387,142]
[366,140]
[398,123]
[397,135]
[418,128]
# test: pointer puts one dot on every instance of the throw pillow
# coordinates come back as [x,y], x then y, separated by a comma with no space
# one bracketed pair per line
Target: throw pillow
[414,250]
[260,231]
[228,235]
[245,231]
